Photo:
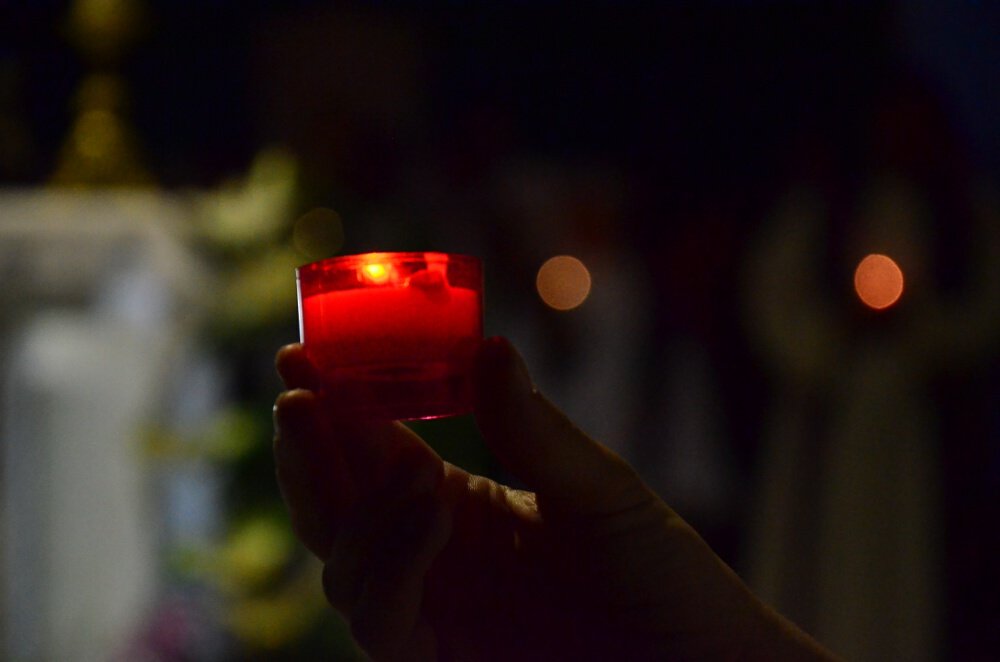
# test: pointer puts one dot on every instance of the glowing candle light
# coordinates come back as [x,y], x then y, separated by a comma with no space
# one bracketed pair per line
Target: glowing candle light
[393,334]
[878,280]
[375,272]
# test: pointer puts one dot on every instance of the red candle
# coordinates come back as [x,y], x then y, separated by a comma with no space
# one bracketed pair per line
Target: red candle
[393,334]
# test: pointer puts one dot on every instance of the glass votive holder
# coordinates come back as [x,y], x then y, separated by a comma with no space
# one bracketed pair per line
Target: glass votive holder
[394,335]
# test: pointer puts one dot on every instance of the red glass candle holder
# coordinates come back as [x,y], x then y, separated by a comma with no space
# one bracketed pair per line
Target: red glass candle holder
[394,335]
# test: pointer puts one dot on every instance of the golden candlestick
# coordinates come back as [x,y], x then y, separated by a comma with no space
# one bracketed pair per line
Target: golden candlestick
[101,149]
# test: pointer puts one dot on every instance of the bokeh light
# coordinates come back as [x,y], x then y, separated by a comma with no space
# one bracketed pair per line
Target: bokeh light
[878,280]
[563,282]
[318,233]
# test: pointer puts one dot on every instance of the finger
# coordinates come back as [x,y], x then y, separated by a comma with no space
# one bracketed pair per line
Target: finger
[315,481]
[325,462]
[541,446]
[386,619]
[370,447]
[373,520]
[377,450]
[295,368]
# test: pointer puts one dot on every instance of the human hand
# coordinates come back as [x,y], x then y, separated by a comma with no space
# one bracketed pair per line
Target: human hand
[429,562]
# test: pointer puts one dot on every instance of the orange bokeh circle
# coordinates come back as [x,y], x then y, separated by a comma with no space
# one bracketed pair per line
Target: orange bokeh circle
[878,280]
[563,282]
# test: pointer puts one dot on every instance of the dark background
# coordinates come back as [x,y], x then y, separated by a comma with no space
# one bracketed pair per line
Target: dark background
[703,112]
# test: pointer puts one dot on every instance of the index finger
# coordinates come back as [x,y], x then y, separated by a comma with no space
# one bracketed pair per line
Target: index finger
[295,368]
[315,482]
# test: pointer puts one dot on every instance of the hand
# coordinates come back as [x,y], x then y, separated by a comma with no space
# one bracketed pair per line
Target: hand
[429,562]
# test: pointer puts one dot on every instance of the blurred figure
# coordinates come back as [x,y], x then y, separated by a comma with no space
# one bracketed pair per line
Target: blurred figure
[849,527]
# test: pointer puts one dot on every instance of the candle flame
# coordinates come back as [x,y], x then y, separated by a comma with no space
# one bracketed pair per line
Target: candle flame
[376,272]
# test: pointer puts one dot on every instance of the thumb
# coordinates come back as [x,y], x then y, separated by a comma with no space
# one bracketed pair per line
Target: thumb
[541,446]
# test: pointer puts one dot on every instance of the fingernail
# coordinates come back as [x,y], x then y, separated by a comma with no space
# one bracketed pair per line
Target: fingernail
[520,369]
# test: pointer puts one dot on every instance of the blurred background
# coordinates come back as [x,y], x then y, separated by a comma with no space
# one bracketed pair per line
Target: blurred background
[717,170]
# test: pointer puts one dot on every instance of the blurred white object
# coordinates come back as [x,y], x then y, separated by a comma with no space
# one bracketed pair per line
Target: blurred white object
[76,489]
[101,294]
